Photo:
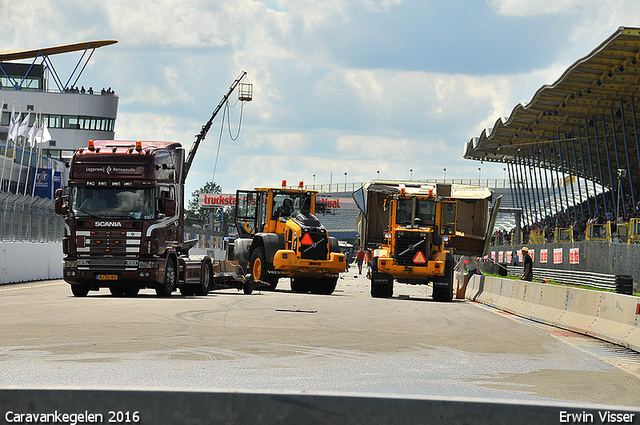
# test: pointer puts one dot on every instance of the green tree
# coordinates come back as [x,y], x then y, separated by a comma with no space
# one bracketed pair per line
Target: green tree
[201,213]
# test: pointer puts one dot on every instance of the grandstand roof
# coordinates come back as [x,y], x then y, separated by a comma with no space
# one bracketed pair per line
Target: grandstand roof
[597,94]
[47,51]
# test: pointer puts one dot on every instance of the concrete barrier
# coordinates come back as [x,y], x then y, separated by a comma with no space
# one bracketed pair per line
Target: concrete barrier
[27,261]
[604,315]
[266,408]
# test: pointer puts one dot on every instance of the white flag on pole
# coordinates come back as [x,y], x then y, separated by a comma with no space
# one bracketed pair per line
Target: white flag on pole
[16,127]
[24,125]
[46,136]
[32,134]
[12,122]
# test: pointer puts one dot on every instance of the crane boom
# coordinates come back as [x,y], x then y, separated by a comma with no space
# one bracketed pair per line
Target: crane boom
[205,128]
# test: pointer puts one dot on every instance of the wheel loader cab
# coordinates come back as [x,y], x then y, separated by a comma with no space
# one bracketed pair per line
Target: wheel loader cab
[282,204]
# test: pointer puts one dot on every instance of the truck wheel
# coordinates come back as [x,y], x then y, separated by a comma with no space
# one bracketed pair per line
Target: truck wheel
[117,291]
[186,291]
[324,286]
[381,285]
[247,286]
[169,284]
[300,285]
[259,266]
[131,291]
[206,278]
[445,292]
[79,290]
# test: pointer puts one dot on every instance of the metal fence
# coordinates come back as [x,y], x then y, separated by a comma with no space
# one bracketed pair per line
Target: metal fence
[29,219]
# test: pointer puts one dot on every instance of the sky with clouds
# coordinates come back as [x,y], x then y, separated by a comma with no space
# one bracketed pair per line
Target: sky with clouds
[339,86]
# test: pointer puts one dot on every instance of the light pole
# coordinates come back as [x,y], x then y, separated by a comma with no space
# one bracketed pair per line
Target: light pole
[622,173]
[445,174]
[378,174]
[345,181]
[479,171]
[411,171]
[314,181]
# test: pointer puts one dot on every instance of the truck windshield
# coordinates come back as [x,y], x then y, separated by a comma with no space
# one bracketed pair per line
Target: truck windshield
[284,204]
[112,203]
[425,214]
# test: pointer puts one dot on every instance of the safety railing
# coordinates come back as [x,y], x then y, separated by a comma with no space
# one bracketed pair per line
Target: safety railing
[537,237]
[597,232]
[29,219]
[634,230]
[570,277]
[353,186]
[563,234]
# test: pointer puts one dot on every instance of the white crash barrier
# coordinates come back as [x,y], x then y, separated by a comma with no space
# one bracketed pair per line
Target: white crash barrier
[604,315]
[27,261]
[168,407]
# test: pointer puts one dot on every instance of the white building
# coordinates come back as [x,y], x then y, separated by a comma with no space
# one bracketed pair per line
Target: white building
[29,84]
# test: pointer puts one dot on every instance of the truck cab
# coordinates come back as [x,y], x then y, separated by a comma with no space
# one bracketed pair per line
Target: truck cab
[124,222]
[280,236]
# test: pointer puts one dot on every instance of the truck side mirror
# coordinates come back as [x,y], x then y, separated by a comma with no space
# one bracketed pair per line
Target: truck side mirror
[60,206]
[170,207]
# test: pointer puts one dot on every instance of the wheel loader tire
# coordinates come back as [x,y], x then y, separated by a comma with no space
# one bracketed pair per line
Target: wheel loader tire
[444,291]
[381,285]
[259,269]
[324,285]
[300,285]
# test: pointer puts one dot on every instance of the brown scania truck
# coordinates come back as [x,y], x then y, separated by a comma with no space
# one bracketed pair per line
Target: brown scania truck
[124,221]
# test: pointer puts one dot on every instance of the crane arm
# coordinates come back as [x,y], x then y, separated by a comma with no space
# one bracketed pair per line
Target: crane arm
[205,128]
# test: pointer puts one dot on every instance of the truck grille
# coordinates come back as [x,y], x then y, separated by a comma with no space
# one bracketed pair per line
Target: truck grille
[108,242]
[408,244]
[320,247]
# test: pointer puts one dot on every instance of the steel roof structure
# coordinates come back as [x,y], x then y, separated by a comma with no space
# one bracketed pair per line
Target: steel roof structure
[583,125]
[44,53]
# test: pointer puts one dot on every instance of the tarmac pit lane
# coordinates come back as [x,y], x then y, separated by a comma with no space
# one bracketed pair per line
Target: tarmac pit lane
[346,342]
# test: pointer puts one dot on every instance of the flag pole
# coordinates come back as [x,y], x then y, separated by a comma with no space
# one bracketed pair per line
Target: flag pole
[13,136]
[6,149]
[35,172]
[32,134]
[23,128]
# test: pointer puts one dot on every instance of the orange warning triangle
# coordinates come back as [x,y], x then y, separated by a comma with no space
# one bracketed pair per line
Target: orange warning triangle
[306,240]
[419,258]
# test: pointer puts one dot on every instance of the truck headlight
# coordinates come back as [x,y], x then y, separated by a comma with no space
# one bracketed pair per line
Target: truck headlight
[147,264]
[71,264]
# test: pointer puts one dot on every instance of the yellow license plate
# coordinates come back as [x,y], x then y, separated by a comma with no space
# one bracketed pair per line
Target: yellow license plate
[107,277]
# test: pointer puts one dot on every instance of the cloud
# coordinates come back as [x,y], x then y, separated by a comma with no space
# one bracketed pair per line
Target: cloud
[339,86]
[522,8]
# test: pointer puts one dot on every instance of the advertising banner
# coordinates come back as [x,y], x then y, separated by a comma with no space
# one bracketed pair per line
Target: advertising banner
[543,255]
[557,256]
[43,183]
[574,255]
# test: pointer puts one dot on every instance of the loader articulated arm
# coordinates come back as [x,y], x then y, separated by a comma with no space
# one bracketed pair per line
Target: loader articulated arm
[205,128]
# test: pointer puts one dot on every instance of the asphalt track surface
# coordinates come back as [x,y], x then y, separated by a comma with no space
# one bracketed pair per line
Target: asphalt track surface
[346,342]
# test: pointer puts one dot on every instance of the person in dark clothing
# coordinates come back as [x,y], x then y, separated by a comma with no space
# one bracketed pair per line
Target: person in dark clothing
[528,265]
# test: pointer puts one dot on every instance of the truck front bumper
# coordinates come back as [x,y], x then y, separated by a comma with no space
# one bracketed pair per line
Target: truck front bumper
[411,274]
[292,266]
